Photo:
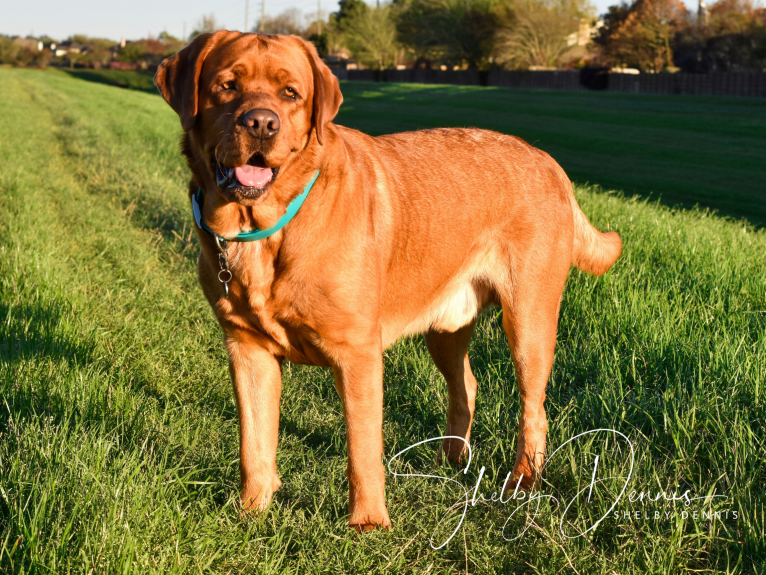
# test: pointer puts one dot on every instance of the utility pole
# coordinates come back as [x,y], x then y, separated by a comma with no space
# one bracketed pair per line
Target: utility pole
[319,17]
[247,7]
[263,15]
[184,36]
[702,13]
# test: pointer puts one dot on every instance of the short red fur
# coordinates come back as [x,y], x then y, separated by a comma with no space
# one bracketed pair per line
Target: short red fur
[401,234]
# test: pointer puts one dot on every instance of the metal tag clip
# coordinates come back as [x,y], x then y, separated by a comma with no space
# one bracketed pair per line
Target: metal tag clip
[224,274]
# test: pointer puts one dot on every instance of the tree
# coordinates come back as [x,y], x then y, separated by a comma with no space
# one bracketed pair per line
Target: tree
[455,32]
[733,37]
[131,52]
[168,39]
[43,57]
[370,34]
[73,58]
[96,49]
[347,9]
[288,22]
[170,43]
[730,17]
[13,53]
[536,33]
[204,25]
[640,35]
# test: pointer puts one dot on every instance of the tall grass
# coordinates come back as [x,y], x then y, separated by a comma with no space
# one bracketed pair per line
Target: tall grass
[118,433]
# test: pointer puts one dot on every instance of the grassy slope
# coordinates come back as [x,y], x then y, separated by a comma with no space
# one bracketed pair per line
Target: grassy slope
[118,434]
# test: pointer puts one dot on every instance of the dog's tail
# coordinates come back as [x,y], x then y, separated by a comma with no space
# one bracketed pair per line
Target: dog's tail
[593,252]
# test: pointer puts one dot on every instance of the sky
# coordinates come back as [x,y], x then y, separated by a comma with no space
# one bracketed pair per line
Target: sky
[136,19]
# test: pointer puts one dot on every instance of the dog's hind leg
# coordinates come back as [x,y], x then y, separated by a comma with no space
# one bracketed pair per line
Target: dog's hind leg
[449,352]
[530,317]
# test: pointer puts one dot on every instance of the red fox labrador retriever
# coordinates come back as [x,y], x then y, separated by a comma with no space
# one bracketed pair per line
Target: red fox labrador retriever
[323,246]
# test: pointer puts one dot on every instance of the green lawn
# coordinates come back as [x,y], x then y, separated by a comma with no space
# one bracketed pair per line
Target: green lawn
[118,432]
[130,79]
[683,150]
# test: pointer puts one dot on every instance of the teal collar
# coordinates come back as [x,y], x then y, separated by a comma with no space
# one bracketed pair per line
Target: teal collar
[254,235]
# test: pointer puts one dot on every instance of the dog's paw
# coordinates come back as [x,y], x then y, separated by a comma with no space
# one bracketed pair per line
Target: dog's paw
[454,454]
[529,482]
[256,497]
[368,521]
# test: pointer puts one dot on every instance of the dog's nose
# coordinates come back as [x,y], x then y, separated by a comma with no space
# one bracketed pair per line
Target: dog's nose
[264,123]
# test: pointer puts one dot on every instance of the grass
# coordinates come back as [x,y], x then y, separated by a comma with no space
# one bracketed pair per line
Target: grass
[118,432]
[129,79]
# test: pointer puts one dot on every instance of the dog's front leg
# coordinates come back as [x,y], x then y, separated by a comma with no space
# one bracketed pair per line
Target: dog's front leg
[257,377]
[359,381]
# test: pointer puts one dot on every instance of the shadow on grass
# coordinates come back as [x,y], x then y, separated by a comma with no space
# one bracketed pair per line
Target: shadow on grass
[128,79]
[34,331]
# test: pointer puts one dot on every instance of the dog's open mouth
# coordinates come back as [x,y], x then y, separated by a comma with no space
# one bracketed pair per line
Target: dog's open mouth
[249,180]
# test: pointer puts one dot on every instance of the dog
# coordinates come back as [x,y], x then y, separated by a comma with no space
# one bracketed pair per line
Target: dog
[359,241]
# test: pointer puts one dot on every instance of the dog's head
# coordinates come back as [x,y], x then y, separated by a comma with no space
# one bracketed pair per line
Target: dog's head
[249,104]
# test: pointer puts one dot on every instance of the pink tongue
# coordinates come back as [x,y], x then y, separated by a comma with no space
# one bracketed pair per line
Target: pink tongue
[253,176]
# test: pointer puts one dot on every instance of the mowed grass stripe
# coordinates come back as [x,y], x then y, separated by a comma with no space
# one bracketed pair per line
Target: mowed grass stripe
[119,435]
[96,447]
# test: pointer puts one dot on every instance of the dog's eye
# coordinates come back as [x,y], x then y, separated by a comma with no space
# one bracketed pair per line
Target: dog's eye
[291,93]
[230,85]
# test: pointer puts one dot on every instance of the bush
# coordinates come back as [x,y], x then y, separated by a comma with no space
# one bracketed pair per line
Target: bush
[14,53]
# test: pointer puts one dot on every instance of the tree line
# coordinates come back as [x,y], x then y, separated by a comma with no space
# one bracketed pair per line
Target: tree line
[647,35]
[93,52]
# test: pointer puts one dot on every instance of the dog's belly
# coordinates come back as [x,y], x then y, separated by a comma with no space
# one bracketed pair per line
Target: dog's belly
[464,296]
[455,308]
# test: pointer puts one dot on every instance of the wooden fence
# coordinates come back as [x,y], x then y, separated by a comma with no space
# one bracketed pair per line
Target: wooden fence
[752,84]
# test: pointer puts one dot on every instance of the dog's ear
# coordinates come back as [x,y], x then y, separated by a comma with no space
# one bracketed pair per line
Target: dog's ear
[327,96]
[177,78]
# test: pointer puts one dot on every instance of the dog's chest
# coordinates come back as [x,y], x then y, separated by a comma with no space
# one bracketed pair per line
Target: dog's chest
[260,301]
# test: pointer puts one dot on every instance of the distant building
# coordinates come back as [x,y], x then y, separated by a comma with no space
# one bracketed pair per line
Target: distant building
[586,31]
[70,48]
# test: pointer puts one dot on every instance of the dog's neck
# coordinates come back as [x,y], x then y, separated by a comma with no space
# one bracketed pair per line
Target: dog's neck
[238,222]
